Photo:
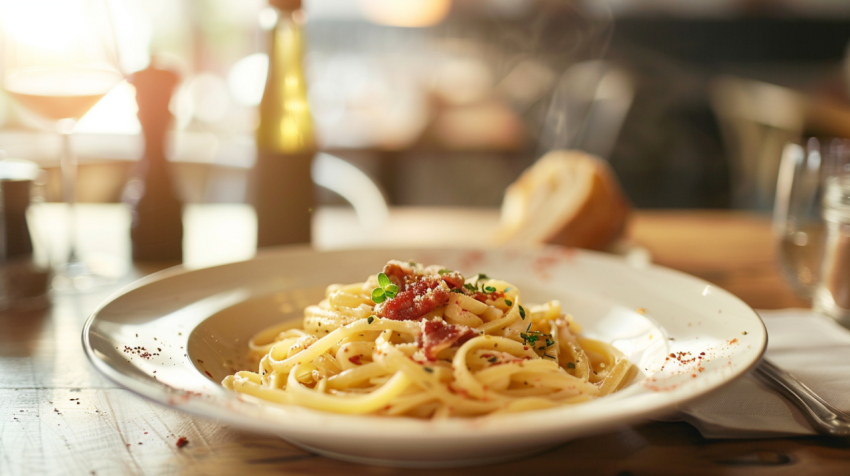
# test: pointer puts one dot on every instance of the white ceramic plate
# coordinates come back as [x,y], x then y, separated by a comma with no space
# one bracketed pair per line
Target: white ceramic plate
[173,336]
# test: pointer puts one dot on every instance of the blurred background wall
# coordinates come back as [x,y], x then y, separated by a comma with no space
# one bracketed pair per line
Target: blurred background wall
[445,102]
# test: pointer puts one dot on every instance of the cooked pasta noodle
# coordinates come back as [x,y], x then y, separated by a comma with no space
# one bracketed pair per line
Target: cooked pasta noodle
[428,343]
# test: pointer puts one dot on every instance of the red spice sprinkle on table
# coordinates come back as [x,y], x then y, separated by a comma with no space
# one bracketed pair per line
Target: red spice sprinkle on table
[140,351]
[182,441]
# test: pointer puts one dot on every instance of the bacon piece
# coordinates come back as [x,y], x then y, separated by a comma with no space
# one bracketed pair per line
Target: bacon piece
[454,280]
[484,297]
[419,298]
[398,271]
[436,336]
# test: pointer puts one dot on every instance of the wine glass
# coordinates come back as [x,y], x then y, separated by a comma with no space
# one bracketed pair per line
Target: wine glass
[58,59]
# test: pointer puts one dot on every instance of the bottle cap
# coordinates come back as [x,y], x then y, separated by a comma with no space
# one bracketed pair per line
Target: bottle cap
[287,5]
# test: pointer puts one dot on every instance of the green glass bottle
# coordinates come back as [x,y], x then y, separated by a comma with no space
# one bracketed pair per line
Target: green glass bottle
[283,188]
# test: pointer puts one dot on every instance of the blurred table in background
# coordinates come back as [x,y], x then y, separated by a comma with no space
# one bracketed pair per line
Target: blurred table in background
[731,249]
[223,233]
[59,416]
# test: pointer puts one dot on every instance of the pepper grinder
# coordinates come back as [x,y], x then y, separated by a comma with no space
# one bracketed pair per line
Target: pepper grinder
[157,211]
[23,281]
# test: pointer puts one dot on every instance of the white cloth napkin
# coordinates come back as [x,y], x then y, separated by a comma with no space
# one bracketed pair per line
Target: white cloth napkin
[813,348]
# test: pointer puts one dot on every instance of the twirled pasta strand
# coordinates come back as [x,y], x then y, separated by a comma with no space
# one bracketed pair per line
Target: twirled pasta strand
[345,359]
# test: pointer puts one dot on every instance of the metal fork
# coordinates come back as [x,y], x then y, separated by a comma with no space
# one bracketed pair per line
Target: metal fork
[826,419]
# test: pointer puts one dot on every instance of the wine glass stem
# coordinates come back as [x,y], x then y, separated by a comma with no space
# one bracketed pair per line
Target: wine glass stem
[68,164]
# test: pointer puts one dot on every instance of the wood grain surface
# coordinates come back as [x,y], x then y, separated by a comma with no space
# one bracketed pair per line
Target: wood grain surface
[58,415]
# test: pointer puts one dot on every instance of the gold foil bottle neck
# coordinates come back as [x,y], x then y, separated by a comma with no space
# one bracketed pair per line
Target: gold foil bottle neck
[286,125]
[287,5]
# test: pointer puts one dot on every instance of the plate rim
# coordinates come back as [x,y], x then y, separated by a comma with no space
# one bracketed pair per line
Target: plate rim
[197,407]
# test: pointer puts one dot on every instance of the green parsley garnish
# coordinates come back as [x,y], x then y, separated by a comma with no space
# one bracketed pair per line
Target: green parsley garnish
[476,286]
[550,342]
[522,312]
[443,271]
[428,369]
[386,289]
[456,290]
[371,319]
[508,289]
[571,365]
[531,338]
[493,359]
[476,281]
[509,302]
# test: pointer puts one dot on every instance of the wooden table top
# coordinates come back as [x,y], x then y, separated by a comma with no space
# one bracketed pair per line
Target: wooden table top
[58,415]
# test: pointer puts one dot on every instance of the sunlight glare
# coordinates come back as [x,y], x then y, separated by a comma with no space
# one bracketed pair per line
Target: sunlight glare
[407,13]
[44,24]
[247,79]
[114,114]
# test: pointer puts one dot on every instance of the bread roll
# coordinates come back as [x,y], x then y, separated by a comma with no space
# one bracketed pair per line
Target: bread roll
[567,198]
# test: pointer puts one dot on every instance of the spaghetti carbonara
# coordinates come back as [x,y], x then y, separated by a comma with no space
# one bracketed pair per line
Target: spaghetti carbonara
[426,342]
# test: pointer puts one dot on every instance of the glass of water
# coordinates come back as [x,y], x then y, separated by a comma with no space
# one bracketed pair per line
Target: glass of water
[832,294]
[811,223]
